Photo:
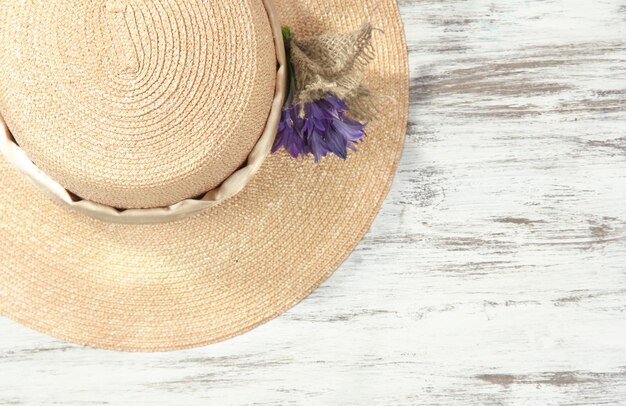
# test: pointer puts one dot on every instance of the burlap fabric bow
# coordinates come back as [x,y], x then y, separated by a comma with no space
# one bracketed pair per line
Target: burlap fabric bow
[334,63]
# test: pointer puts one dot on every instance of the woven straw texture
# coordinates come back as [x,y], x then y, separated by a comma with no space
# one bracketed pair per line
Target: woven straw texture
[138,103]
[218,274]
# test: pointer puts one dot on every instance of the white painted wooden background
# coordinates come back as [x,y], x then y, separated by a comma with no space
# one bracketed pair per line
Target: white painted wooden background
[496,272]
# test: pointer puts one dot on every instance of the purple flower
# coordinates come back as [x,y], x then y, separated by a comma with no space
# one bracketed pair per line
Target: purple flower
[288,135]
[322,129]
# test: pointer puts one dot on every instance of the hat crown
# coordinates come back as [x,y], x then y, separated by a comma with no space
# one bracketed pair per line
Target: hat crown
[137,103]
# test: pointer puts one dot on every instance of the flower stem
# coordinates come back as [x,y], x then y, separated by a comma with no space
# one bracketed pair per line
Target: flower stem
[291,72]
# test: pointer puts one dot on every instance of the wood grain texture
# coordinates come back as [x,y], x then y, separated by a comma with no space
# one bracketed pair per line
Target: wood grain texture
[495,273]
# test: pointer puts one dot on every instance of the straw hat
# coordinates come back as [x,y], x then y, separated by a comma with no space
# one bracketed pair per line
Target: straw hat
[141,207]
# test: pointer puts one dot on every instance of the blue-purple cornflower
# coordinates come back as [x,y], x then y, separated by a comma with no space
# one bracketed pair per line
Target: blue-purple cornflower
[323,128]
[316,128]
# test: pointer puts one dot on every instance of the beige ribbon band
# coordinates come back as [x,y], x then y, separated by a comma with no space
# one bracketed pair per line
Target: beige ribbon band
[229,188]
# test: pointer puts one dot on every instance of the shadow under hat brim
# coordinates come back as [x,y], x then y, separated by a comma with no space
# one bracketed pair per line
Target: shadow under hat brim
[218,274]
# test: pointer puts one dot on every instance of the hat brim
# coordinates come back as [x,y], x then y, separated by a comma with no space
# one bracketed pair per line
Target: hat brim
[223,272]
